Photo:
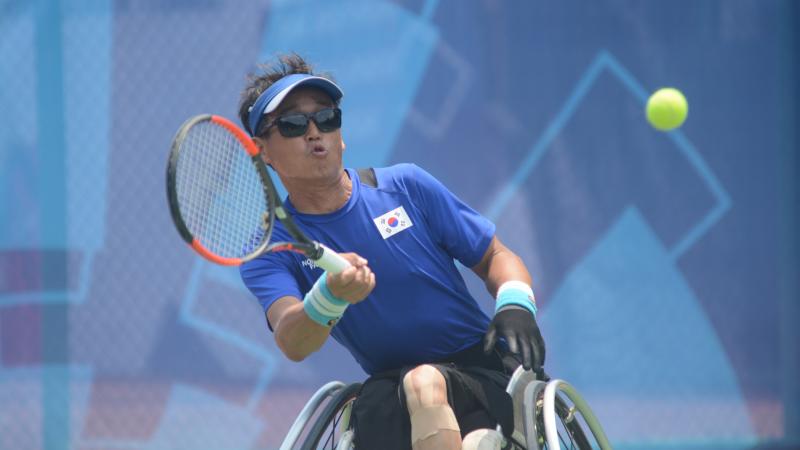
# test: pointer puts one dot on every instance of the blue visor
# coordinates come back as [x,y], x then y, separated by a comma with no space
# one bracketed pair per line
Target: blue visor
[269,100]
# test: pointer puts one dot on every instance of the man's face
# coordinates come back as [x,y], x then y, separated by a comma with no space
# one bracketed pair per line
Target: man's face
[314,156]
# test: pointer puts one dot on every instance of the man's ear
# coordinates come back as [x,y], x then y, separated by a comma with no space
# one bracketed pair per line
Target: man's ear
[262,149]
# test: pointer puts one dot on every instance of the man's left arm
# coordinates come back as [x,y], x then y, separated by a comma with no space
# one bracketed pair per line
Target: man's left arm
[508,280]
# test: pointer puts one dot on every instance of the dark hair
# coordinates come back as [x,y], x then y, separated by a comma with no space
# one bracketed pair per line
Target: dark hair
[270,73]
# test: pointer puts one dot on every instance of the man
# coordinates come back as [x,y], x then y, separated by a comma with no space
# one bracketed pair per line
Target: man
[402,309]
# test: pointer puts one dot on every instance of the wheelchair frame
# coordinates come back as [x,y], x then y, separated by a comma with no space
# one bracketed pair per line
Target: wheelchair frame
[531,397]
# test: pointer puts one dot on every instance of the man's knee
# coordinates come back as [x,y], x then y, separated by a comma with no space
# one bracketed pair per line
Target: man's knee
[426,397]
[424,386]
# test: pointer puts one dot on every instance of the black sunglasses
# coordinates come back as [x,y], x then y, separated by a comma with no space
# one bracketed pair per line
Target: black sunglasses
[296,124]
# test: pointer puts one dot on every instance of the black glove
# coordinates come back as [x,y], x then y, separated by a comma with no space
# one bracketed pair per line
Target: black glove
[518,326]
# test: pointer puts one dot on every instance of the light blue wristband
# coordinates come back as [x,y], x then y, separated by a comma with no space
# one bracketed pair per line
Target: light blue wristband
[321,305]
[323,285]
[516,293]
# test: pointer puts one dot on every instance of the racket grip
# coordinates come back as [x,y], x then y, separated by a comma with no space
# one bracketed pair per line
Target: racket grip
[331,261]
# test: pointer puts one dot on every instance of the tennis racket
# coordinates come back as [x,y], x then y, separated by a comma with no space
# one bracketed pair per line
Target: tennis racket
[223,201]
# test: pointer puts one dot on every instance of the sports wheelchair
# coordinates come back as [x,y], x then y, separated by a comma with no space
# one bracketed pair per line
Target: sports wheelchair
[547,415]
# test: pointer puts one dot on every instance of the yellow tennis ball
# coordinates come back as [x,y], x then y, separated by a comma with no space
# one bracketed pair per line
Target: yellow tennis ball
[667,109]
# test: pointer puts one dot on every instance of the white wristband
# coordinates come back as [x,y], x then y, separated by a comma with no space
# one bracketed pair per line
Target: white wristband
[520,285]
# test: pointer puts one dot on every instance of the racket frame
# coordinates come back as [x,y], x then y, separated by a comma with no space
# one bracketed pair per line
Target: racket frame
[274,207]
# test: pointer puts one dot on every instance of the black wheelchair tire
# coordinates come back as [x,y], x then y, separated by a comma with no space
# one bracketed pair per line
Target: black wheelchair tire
[573,427]
[329,414]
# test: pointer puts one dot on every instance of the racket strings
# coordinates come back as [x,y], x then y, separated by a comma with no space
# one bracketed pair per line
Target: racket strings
[219,191]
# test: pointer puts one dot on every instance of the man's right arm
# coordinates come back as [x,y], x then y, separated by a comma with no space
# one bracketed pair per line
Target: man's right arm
[296,334]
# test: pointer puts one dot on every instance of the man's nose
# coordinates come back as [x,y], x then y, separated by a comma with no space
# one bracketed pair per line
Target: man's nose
[312,132]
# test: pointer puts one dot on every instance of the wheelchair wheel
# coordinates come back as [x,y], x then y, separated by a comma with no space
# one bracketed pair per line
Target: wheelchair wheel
[565,418]
[569,429]
[332,421]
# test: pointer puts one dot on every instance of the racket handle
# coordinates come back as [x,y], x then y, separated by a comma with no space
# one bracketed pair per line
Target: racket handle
[331,261]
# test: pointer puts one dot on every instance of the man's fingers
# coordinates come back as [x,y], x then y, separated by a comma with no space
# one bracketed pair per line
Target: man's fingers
[490,339]
[525,346]
[511,339]
[366,282]
[360,277]
[341,284]
[346,276]
[365,278]
[353,276]
[538,345]
[536,354]
[367,272]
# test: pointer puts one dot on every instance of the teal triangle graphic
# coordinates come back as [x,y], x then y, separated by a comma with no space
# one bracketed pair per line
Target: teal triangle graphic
[625,325]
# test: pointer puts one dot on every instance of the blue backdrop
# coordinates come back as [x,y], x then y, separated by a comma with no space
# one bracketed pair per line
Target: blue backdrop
[665,264]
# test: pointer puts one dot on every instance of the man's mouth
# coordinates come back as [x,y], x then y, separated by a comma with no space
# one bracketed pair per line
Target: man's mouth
[318,150]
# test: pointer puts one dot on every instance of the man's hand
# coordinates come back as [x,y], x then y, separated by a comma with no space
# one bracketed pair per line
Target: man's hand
[518,327]
[354,283]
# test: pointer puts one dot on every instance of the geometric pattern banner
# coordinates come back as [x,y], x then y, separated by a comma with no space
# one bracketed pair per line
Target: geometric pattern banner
[665,265]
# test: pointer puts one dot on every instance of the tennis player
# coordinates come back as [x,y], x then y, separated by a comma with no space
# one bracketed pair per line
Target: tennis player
[437,365]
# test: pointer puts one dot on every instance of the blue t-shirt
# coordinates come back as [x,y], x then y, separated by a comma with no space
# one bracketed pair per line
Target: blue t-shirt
[420,310]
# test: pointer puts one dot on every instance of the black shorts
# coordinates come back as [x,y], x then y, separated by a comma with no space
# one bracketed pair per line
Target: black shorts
[476,385]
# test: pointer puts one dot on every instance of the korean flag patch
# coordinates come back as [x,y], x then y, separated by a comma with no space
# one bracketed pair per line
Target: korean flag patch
[393,222]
